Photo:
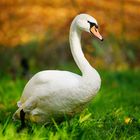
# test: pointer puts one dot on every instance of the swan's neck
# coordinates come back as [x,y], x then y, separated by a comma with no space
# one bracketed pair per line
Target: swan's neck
[75,45]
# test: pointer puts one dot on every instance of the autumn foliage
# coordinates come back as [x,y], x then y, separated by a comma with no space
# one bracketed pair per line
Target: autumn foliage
[23,21]
[38,30]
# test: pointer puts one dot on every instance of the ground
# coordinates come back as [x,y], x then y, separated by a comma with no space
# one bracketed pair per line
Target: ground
[113,114]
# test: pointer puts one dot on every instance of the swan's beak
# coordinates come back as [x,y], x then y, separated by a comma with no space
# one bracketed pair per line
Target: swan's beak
[95,32]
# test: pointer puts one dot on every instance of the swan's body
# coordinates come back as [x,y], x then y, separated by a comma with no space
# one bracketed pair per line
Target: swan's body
[54,93]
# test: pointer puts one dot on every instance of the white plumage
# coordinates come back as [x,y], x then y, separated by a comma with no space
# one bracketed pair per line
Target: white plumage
[53,93]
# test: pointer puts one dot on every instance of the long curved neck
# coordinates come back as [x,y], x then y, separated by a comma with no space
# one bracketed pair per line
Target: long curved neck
[75,45]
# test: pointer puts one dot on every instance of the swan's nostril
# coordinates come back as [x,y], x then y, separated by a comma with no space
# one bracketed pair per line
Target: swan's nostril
[95,30]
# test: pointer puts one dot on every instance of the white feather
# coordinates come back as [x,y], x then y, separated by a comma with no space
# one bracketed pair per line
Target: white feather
[54,93]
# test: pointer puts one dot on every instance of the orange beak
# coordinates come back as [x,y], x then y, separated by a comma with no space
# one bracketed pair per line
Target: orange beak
[95,32]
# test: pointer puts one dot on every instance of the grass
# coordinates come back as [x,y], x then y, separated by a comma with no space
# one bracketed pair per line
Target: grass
[113,114]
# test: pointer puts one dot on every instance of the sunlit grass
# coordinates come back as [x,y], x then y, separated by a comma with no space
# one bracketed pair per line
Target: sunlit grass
[113,114]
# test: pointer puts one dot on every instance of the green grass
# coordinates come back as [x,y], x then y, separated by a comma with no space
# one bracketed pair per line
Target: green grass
[113,114]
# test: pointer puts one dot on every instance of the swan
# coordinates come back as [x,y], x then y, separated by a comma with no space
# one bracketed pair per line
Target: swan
[54,93]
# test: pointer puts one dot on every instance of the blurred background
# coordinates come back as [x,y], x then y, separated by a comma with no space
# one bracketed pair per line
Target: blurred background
[34,35]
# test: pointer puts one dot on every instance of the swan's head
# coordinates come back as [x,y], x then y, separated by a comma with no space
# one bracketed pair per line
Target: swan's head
[89,24]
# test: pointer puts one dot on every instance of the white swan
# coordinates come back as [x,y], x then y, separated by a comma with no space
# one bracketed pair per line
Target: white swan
[53,93]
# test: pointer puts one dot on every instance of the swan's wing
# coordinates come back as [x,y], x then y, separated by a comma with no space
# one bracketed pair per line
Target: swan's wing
[46,83]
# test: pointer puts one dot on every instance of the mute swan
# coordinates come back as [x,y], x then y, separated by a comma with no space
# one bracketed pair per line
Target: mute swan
[53,93]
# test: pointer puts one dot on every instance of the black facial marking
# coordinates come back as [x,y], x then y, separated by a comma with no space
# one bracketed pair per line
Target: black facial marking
[92,24]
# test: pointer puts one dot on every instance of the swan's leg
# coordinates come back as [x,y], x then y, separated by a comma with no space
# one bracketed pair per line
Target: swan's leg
[22,118]
[27,107]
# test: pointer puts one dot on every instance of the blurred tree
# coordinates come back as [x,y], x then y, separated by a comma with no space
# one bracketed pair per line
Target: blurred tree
[23,21]
[47,24]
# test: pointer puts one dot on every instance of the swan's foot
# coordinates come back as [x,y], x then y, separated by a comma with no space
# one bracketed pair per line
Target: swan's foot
[22,118]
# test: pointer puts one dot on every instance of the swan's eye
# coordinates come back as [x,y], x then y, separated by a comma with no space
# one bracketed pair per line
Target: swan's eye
[92,24]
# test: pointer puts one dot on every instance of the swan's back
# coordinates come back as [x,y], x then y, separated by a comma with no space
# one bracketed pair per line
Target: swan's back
[50,82]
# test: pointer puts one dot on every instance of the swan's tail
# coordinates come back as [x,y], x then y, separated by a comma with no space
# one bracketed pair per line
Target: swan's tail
[19,104]
[27,106]
[16,115]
